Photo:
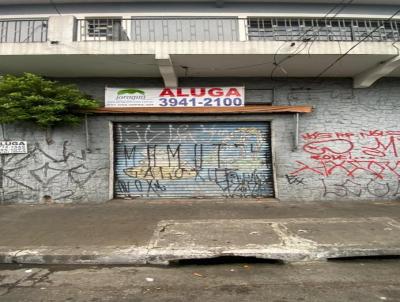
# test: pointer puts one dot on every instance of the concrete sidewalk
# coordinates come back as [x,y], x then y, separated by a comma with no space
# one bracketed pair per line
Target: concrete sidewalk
[154,232]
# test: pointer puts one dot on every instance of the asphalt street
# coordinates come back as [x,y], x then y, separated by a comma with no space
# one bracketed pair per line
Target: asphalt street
[351,280]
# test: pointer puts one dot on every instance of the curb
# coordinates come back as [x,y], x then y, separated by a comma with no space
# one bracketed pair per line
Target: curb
[75,255]
[132,255]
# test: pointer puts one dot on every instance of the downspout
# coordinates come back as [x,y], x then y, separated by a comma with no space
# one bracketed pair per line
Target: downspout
[296,132]
[87,134]
[3,132]
[2,160]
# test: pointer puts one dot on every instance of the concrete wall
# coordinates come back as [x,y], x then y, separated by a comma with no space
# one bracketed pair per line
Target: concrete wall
[349,146]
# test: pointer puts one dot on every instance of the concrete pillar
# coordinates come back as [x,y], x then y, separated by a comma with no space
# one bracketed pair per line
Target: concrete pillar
[167,70]
[62,29]
[370,76]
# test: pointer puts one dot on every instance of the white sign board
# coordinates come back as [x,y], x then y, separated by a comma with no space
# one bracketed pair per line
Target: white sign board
[13,147]
[175,97]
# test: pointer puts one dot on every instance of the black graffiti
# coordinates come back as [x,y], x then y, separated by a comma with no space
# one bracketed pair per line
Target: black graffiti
[219,146]
[140,188]
[154,153]
[294,180]
[201,164]
[239,184]
[26,177]
[151,155]
[129,155]
[174,154]
[351,188]
[198,156]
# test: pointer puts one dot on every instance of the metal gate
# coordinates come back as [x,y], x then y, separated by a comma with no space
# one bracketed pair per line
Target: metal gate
[193,160]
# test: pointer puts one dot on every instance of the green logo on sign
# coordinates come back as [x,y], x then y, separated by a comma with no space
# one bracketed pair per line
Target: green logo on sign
[130,91]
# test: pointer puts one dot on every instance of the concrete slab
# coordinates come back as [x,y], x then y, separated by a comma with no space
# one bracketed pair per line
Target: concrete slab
[214,234]
[126,232]
[283,239]
[367,232]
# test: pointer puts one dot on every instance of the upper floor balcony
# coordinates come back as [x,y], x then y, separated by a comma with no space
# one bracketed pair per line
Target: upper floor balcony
[195,29]
[173,47]
[178,29]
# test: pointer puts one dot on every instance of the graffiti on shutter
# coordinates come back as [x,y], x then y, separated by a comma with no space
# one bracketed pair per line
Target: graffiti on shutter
[173,160]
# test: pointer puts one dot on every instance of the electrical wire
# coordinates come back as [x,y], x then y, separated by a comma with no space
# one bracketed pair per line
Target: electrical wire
[354,46]
[227,68]
[55,7]
[274,62]
[305,41]
[327,14]
[330,19]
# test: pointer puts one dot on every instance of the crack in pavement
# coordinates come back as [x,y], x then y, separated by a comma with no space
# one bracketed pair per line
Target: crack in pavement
[31,277]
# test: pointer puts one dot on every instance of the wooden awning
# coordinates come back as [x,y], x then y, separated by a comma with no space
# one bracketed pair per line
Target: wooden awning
[249,109]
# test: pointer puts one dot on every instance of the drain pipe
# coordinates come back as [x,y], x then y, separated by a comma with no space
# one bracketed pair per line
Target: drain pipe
[2,161]
[3,131]
[87,134]
[296,133]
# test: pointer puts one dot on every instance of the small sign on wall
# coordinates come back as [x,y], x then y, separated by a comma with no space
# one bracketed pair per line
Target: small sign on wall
[13,147]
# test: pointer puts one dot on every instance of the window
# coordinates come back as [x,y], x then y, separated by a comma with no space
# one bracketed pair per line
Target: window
[322,29]
[109,29]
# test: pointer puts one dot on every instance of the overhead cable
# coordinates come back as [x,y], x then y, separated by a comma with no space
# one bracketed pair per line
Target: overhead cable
[354,46]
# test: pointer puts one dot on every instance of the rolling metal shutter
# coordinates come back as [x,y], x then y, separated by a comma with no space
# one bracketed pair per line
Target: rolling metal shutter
[193,160]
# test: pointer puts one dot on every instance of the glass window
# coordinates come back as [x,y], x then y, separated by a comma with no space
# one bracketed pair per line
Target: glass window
[105,29]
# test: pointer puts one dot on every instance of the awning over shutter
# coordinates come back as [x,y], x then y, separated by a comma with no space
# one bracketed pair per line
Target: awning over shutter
[249,109]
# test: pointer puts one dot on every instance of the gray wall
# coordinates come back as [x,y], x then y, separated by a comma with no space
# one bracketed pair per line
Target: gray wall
[349,146]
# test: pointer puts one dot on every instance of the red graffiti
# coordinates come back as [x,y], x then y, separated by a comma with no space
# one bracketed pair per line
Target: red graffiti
[381,150]
[316,135]
[331,146]
[366,153]
[352,168]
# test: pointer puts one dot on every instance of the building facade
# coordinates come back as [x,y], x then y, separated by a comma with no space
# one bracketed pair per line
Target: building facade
[319,120]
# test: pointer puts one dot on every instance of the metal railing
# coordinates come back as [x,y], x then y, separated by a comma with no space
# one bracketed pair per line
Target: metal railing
[158,29]
[278,29]
[235,29]
[23,31]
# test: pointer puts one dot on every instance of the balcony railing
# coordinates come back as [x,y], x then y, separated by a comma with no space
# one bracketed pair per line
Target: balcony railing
[158,29]
[148,29]
[235,29]
[23,31]
[269,29]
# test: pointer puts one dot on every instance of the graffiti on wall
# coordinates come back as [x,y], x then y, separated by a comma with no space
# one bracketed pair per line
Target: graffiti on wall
[352,164]
[353,188]
[191,160]
[37,174]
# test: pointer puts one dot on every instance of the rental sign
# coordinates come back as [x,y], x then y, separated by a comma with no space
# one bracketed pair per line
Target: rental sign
[175,97]
[13,147]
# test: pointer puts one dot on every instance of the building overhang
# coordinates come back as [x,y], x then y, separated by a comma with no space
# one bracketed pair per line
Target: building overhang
[174,60]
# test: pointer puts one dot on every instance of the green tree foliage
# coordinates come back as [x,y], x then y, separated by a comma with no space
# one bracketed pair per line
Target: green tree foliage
[43,102]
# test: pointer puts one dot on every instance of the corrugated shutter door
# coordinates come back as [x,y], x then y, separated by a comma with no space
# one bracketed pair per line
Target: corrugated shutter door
[193,160]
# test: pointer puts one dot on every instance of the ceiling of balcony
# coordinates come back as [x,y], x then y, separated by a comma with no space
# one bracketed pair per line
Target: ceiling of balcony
[220,2]
[188,65]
